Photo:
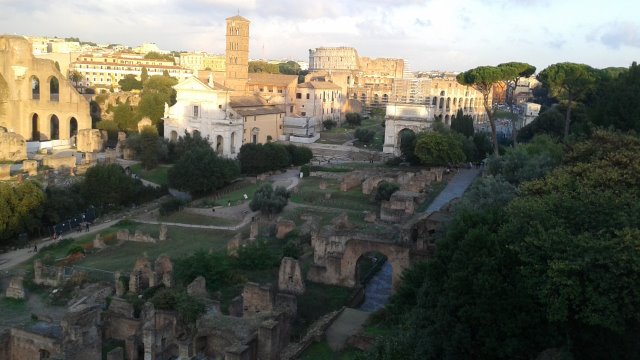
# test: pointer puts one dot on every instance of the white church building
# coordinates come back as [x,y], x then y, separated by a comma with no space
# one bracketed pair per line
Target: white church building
[204,108]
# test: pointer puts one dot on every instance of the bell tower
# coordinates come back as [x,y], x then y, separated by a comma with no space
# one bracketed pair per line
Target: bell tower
[237,53]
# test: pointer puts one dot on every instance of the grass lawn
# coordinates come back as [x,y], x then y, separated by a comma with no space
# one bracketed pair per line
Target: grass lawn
[222,196]
[157,175]
[310,193]
[183,217]
[12,309]
[322,351]
[180,241]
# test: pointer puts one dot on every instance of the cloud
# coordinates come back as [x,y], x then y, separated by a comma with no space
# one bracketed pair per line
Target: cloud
[557,43]
[617,34]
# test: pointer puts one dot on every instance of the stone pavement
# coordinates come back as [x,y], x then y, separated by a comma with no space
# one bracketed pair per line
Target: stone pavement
[347,324]
[454,189]
[378,290]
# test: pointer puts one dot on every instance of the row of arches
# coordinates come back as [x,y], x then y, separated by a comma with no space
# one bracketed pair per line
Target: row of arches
[458,103]
[54,88]
[41,133]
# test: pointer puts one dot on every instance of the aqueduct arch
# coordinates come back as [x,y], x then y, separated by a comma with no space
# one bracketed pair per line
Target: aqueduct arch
[397,256]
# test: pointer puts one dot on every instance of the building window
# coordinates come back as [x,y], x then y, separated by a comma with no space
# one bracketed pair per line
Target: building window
[298,96]
[196,109]
[303,113]
[220,106]
[307,96]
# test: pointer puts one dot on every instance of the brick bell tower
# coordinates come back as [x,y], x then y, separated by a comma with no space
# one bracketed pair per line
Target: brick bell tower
[237,53]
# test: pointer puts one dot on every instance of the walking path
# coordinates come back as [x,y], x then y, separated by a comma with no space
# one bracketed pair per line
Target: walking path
[378,290]
[348,323]
[454,189]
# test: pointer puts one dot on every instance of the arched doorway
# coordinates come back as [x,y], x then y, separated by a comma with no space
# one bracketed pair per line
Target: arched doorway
[35,88]
[54,89]
[35,128]
[55,128]
[73,127]
[174,136]
[219,144]
[375,273]
[406,143]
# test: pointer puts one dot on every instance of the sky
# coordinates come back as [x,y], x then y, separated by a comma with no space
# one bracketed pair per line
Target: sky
[452,35]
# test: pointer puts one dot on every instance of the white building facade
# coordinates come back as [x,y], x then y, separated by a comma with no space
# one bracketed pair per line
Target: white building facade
[204,108]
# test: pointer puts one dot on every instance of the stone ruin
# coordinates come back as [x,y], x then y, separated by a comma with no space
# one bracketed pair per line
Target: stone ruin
[77,337]
[139,236]
[30,167]
[16,288]
[351,181]
[290,277]
[144,122]
[13,147]
[5,171]
[144,276]
[400,206]
[60,162]
[47,275]
[284,227]
[90,140]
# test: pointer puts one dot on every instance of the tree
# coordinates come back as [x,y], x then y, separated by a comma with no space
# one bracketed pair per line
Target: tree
[125,117]
[162,85]
[329,124]
[75,76]
[364,136]
[289,68]
[353,119]
[129,82]
[439,149]
[385,190]
[482,79]
[569,82]
[276,156]
[263,67]
[517,70]
[201,171]
[154,55]
[462,124]
[149,141]
[616,101]
[268,200]
[152,106]
[299,155]
[20,209]
[144,75]
[550,122]
[188,142]
[408,146]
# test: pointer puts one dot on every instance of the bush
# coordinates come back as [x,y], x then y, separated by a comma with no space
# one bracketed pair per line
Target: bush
[292,249]
[353,119]
[364,136]
[394,161]
[329,124]
[305,170]
[269,201]
[385,190]
[299,155]
[170,206]
[256,256]
[201,171]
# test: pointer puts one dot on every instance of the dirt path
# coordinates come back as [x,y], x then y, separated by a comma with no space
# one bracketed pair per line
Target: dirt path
[347,324]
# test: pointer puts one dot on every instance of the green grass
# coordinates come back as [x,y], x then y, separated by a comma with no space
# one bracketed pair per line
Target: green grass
[180,241]
[157,175]
[183,217]
[322,351]
[235,196]
[310,193]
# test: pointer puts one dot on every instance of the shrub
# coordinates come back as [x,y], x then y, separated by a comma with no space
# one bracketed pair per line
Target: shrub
[385,190]
[256,256]
[292,249]
[329,124]
[353,119]
[305,170]
[364,136]
[170,206]
[395,161]
[269,201]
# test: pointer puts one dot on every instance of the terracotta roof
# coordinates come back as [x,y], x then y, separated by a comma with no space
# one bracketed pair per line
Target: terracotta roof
[238,17]
[271,79]
[319,85]
[251,105]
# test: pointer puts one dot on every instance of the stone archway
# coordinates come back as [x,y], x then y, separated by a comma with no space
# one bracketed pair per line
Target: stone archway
[219,145]
[405,135]
[73,127]
[397,256]
[35,88]
[54,89]
[54,128]
[35,128]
